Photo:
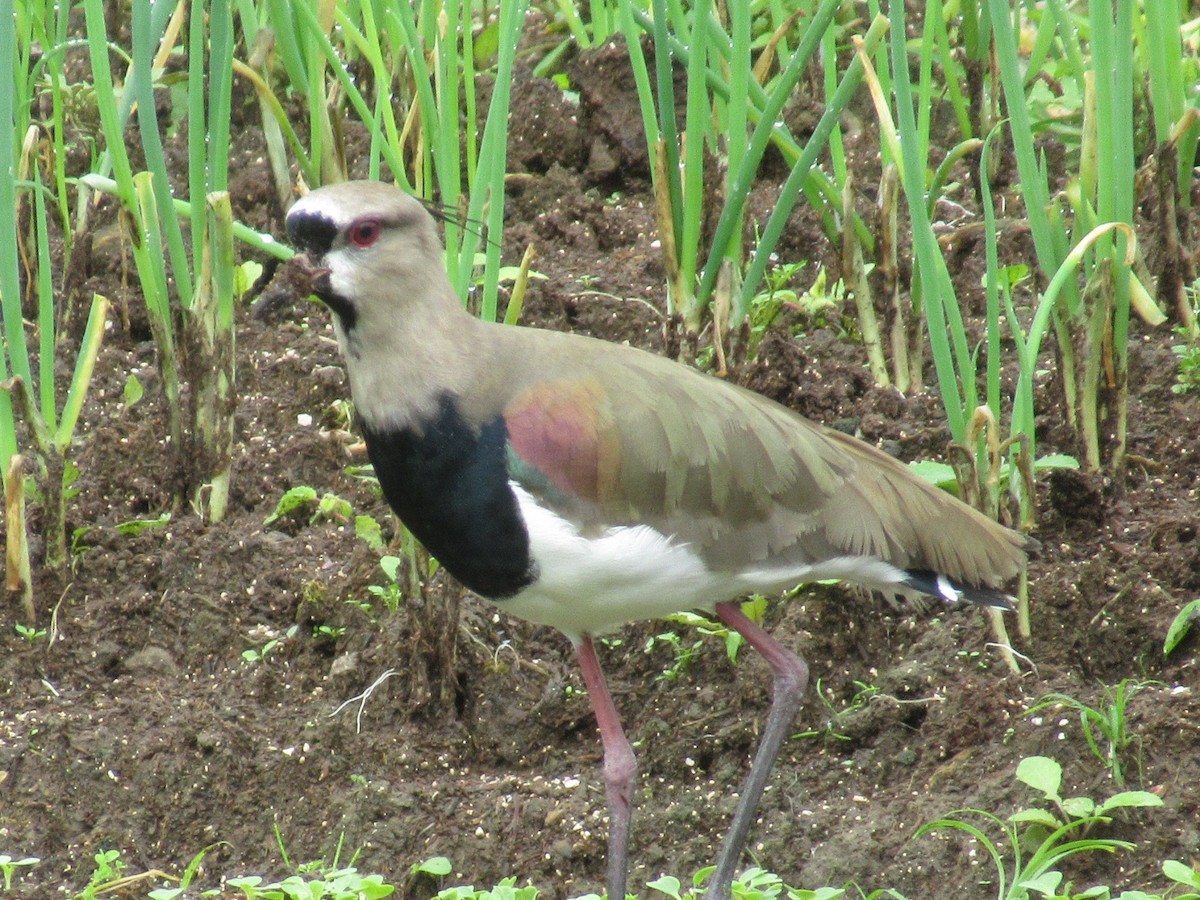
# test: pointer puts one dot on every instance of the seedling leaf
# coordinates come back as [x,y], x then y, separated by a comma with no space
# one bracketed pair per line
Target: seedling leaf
[134,527]
[291,500]
[936,473]
[1034,817]
[332,507]
[1042,774]
[1181,625]
[1055,461]
[1181,872]
[1045,883]
[437,866]
[390,566]
[1128,799]
[368,529]
[1079,807]
[668,885]
[133,391]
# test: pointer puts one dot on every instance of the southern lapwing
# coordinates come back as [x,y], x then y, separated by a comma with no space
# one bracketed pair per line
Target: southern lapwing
[583,484]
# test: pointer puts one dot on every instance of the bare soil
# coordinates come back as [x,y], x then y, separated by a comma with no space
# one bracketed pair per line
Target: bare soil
[141,727]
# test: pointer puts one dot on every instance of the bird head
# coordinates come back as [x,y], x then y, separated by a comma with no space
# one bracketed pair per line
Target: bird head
[372,247]
[371,252]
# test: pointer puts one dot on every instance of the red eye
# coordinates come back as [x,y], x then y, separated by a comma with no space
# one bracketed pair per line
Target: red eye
[365,232]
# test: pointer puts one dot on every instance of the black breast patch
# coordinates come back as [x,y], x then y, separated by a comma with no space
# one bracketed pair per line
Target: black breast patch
[448,483]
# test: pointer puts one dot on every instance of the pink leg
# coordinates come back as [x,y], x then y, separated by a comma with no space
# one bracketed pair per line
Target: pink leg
[791,679]
[620,768]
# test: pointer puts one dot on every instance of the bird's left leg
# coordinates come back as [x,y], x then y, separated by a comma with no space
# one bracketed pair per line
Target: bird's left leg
[620,767]
[791,679]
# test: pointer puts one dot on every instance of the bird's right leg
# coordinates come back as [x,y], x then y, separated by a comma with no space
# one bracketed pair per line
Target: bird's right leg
[620,767]
[791,678]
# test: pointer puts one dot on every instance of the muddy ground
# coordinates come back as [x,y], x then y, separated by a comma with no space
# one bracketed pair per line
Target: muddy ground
[141,726]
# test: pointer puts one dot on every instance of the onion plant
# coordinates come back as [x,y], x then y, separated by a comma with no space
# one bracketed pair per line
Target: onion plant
[408,73]
[1091,325]
[1170,76]
[188,289]
[27,281]
[719,111]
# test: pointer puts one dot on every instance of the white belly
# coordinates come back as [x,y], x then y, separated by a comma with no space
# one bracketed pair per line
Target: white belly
[590,585]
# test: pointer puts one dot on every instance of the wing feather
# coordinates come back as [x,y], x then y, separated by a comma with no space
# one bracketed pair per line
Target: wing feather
[628,438]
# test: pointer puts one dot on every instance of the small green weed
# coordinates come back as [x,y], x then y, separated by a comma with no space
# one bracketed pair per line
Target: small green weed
[1187,379]
[943,474]
[1105,727]
[766,305]
[313,880]
[9,865]
[31,634]
[328,632]
[1182,873]
[685,653]
[185,880]
[79,546]
[334,884]
[752,884]
[133,391]
[505,890]
[388,592]
[259,654]
[370,532]
[1047,832]
[109,869]
[330,506]
[134,527]
[833,724]
[1181,625]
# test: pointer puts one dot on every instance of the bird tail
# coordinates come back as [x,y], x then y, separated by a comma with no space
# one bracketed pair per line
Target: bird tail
[935,584]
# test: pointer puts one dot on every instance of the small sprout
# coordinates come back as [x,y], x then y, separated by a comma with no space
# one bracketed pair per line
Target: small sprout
[292,499]
[389,592]
[1187,379]
[330,506]
[9,866]
[1182,873]
[134,527]
[437,866]
[133,391]
[246,276]
[1105,726]
[1047,834]
[1180,626]
[368,529]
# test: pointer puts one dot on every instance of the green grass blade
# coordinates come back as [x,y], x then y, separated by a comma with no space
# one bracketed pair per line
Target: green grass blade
[141,81]
[488,191]
[664,83]
[952,360]
[46,317]
[10,278]
[220,86]
[728,227]
[81,379]
[10,272]
[808,158]
[1049,247]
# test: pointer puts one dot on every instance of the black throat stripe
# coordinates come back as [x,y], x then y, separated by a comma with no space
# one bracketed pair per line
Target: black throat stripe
[448,483]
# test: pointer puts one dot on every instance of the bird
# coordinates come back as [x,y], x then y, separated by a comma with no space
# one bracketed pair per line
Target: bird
[583,485]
